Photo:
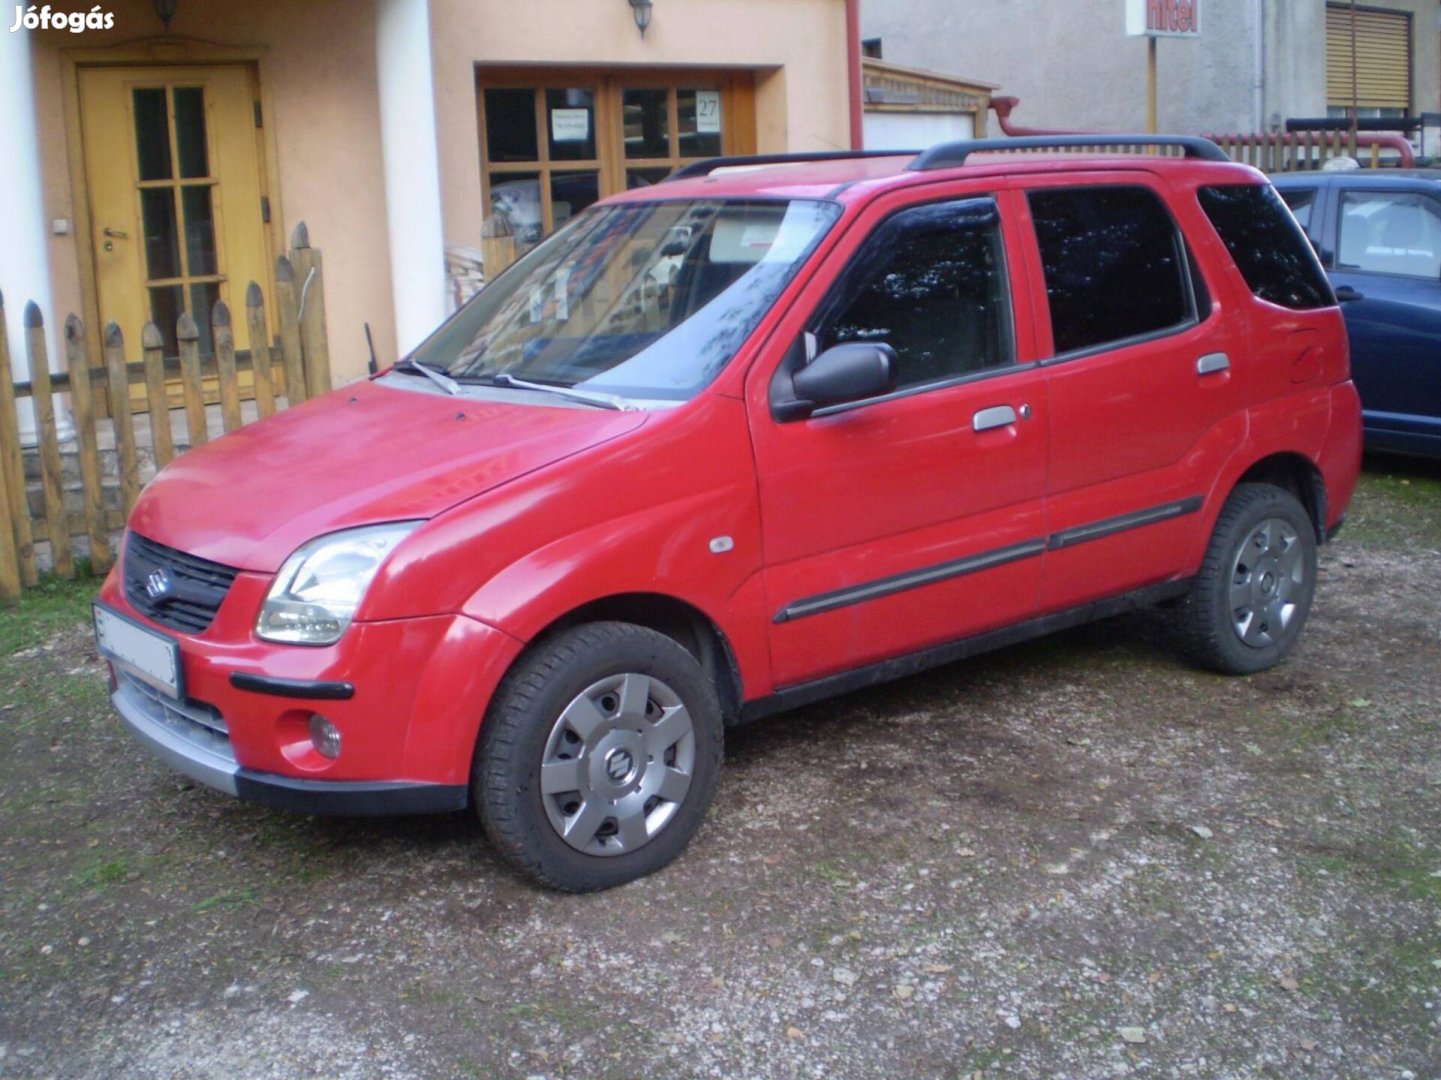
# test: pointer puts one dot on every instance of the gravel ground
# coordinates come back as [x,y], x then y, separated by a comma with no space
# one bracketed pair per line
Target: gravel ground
[1078,858]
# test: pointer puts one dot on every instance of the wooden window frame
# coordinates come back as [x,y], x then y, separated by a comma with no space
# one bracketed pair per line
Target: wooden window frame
[608,86]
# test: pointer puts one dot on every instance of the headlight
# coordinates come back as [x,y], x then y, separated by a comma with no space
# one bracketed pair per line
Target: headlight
[319,587]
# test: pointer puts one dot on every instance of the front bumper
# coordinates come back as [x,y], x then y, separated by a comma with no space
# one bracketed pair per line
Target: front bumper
[407,696]
[194,749]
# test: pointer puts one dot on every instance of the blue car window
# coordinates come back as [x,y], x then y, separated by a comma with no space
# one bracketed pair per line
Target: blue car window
[1390,232]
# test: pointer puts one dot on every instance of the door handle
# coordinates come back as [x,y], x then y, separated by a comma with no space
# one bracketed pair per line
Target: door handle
[1212,363]
[994,417]
[116,234]
[1346,295]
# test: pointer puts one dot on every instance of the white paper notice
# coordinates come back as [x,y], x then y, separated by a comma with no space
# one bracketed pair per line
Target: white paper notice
[707,112]
[570,125]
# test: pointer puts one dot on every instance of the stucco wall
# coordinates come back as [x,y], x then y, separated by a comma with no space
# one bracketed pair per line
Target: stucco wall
[318,76]
[1072,65]
[801,101]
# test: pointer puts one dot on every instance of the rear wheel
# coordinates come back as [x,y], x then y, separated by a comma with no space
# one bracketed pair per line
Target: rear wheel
[599,756]
[1247,605]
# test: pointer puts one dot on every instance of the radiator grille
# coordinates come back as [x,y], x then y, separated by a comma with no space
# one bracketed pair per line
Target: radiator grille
[195,586]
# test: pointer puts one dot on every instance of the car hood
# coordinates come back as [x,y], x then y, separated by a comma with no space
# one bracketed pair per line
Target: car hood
[358,456]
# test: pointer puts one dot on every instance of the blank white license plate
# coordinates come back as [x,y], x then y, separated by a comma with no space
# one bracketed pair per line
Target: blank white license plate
[151,657]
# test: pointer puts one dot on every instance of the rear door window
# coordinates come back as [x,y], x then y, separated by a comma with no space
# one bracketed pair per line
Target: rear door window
[1273,255]
[1115,265]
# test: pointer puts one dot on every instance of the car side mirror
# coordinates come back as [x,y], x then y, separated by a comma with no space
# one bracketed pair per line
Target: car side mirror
[842,373]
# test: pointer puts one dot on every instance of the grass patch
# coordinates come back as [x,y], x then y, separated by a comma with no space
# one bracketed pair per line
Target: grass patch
[1397,504]
[230,899]
[53,605]
[109,872]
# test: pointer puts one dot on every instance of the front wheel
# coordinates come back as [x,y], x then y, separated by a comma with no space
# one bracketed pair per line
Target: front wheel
[599,756]
[1247,605]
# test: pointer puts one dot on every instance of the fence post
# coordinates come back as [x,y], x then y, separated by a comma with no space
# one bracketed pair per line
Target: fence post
[52,477]
[9,557]
[310,272]
[188,336]
[287,308]
[12,464]
[120,416]
[156,395]
[225,366]
[77,363]
[259,350]
[312,335]
[497,246]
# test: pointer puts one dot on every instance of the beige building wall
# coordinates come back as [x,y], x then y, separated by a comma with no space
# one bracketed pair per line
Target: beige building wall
[318,78]
[796,47]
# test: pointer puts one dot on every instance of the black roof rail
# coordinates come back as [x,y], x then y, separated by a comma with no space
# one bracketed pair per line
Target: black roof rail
[710,165]
[949,155]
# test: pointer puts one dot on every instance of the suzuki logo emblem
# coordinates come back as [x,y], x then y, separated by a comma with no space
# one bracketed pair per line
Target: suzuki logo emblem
[158,585]
[618,766]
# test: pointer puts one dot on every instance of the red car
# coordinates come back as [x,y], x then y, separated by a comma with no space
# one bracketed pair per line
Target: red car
[768,432]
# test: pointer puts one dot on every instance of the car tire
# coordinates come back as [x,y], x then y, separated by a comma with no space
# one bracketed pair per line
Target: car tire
[1247,605]
[599,756]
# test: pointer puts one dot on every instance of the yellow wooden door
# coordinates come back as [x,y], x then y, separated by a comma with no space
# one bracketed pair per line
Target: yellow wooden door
[176,192]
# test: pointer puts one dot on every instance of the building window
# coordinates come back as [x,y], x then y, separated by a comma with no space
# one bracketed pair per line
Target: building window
[1375,74]
[551,147]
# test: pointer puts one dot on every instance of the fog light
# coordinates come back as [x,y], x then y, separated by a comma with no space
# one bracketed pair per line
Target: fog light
[324,736]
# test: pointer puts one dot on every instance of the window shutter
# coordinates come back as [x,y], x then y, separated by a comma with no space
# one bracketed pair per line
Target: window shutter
[1383,58]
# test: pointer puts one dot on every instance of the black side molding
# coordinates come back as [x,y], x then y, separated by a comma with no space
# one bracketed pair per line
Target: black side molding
[792,697]
[913,579]
[1110,526]
[305,689]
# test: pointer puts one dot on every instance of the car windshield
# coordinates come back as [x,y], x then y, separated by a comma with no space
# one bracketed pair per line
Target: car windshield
[642,301]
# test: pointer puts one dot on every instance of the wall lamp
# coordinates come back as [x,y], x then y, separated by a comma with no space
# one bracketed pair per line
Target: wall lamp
[641,9]
[165,10]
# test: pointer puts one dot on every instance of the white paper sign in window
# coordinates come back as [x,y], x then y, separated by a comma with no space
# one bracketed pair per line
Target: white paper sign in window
[570,125]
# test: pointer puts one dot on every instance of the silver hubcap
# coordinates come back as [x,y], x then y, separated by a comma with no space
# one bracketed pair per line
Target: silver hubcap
[1267,580]
[618,764]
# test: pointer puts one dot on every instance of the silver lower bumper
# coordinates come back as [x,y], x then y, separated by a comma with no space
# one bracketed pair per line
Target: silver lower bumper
[189,745]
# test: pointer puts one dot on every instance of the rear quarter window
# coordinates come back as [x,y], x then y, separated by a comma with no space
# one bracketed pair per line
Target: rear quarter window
[1272,253]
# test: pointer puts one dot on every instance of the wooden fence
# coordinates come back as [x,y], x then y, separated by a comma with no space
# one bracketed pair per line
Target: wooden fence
[123,413]
[1299,151]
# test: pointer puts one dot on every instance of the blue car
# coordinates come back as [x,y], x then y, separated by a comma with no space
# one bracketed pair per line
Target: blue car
[1379,237]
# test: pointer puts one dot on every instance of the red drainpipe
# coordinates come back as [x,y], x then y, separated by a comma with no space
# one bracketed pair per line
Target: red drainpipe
[853,72]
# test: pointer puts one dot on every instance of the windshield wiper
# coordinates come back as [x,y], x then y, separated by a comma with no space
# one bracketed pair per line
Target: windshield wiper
[590,397]
[442,380]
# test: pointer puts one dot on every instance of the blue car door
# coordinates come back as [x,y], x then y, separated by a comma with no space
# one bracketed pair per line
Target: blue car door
[1387,274]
